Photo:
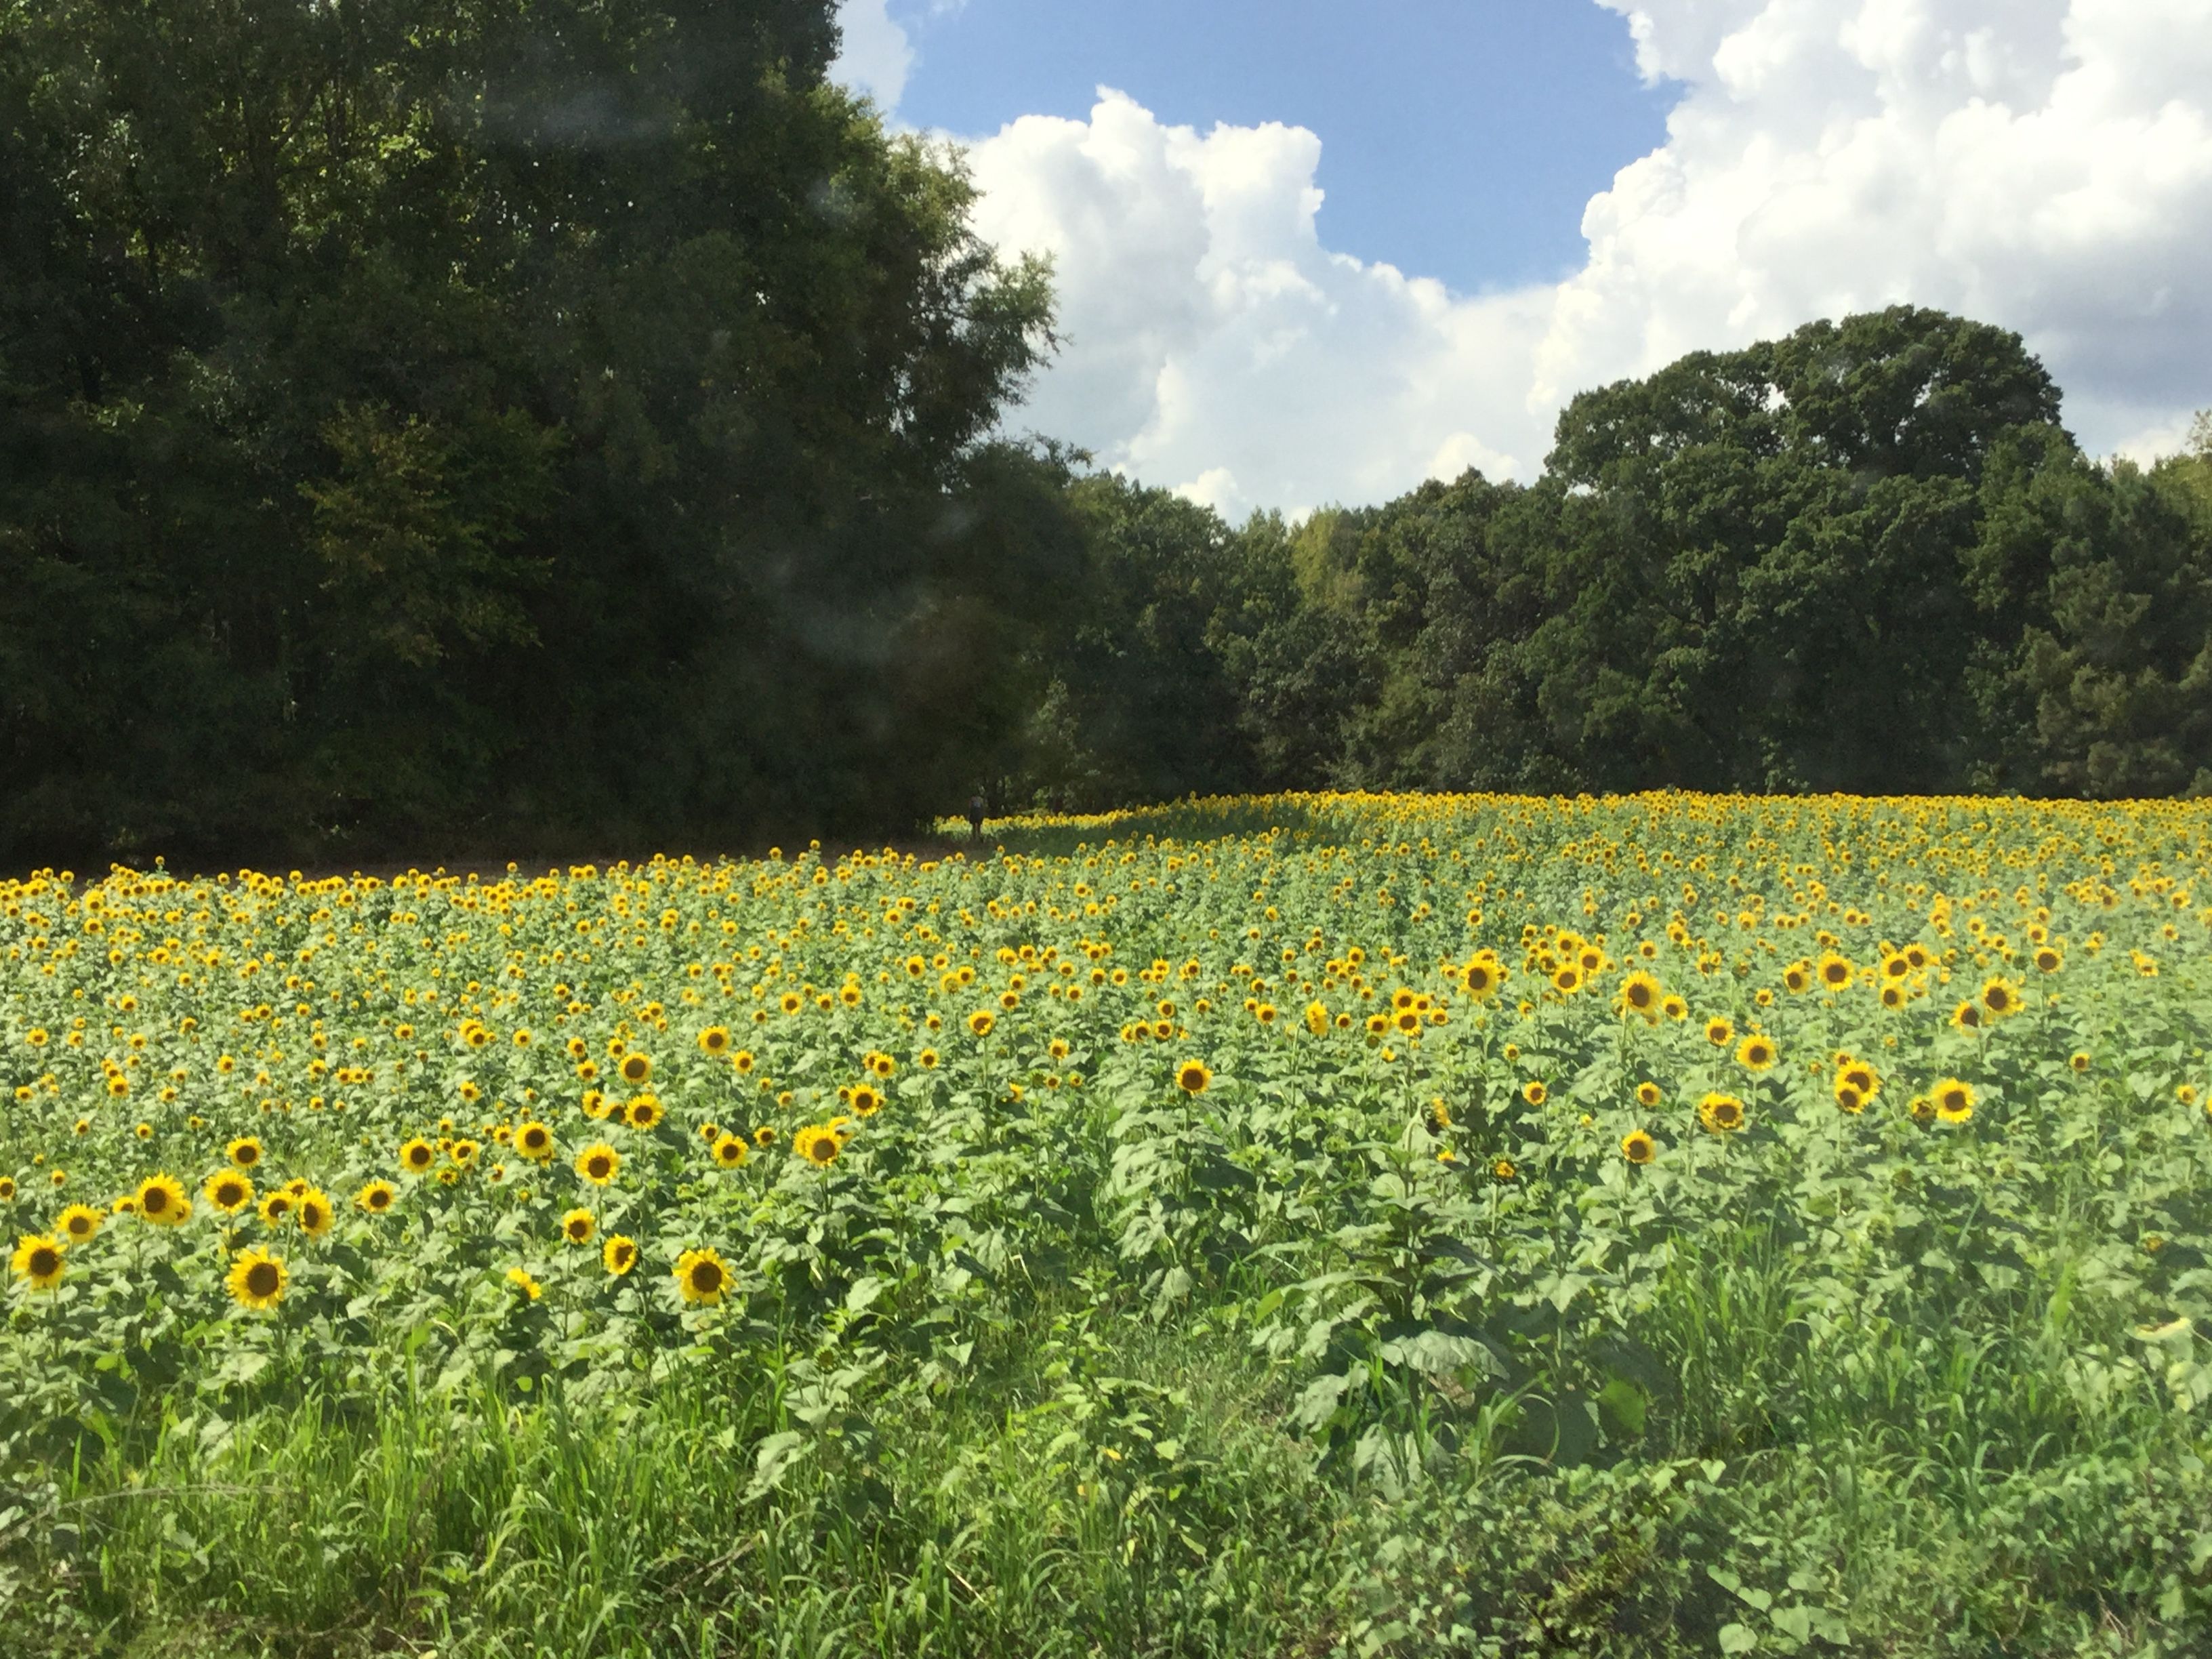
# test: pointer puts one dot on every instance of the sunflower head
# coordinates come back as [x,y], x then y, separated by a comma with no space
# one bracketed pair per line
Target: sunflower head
[730,1152]
[161,1200]
[1647,1093]
[1639,1148]
[78,1223]
[534,1141]
[376,1198]
[1194,1077]
[578,1226]
[1756,1053]
[598,1163]
[618,1255]
[257,1280]
[636,1069]
[702,1278]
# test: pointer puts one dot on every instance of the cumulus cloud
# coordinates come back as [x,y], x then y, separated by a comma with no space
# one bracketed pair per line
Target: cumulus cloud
[1215,344]
[875,55]
[2042,164]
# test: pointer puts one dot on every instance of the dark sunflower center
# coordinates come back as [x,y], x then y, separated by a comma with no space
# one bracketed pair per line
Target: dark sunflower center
[44,1260]
[706,1278]
[261,1278]
[155,1200]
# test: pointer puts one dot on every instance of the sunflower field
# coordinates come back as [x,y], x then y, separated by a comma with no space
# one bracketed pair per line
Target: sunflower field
[1488,1225]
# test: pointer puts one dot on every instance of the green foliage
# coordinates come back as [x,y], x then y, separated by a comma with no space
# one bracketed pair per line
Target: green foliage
[1865,557]
[409,411]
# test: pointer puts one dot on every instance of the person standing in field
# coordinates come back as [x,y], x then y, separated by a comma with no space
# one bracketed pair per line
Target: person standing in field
[976,818]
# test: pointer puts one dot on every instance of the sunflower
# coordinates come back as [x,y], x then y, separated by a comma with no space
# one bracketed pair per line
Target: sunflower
[764,1135]
[1647,1093]
[161,1200]
[417,1156]
[981,1021]
[866,1102]
[714,1040]
[618,1255]
[1756,1053]
[731,1151]
[1483,977]
[578,1226]
[1501,1169]
[743,1059]
[702,1277]
[1534,1092]
[526,1287]
[1193,1077]
[1641,993]
[1860,1076]
[276,1208]
[598,1163]
[2001,998]
[1719,1031]
[1953,1100]
[1795,978]
[534,1141]
[818,1144]
[1674,1008]
[376,1197]
[78,1224]
[244,1151]
[39,1259]
[1834,971]
[315,1213]
[1639,1148]
[228,1191]
[1722,1114]
[927,1060]
[645,1112]
[1968,1017]
[636,1069]
[257,1280]
[1849,1097]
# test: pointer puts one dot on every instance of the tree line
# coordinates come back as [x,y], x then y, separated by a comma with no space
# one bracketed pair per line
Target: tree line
[441,424]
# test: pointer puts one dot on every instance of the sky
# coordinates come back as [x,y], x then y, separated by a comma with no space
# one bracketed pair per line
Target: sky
[1309,251]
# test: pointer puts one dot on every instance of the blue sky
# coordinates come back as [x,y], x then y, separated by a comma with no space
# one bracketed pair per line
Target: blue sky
[1312,250]
[1462,138]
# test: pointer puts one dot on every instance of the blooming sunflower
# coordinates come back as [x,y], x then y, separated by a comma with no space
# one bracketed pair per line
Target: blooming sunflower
[2000,998]
[818,1144]
[714,1040]
[417,1156]
[598,1163]
[645,1112]
[161,1200]
[731,1151]
[257,1280]
[702,1278]
[244,1151]
[1639,1148]
[1953,1100]
[1194,1077]
[1756,1053]
[526,1287]
[37,1258]
[1834,971]
[981,1021]
[636,1069]
[534,1141]
[315,1213]
[618,1255]
[78,1224]
[228,1190]
[376,1197]
[1647,1093]
[1720,1032]
[1722,1114]
[1641,994]
[578,1226]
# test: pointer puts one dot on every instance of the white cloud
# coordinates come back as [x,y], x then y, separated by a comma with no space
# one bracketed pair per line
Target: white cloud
[2042,164]
[875,55]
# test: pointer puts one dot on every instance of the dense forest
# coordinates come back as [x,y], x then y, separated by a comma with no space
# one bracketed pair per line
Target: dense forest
[440,424]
